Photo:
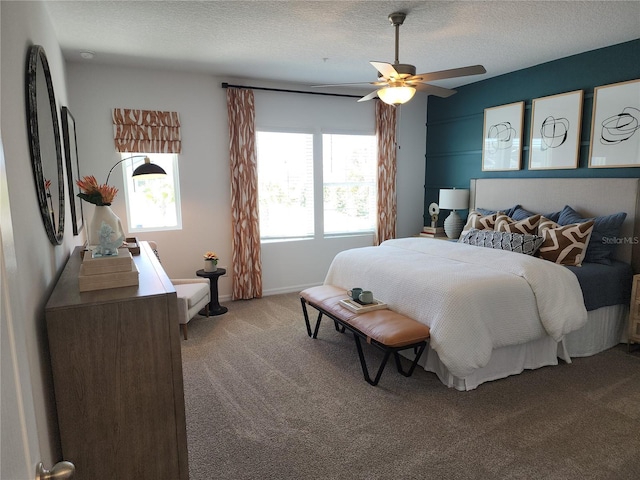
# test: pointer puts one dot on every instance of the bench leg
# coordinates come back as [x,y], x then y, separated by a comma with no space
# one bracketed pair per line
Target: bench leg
[308,324]
[418,351]
[365,371]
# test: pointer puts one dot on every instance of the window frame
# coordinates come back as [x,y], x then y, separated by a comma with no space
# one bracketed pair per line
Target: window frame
[318,182]
[127,168]
[354,233]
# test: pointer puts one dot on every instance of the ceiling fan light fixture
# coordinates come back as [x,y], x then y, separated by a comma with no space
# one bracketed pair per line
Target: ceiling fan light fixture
[396,95]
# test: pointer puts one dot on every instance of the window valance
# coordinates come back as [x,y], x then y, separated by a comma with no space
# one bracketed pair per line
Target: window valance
[146,131]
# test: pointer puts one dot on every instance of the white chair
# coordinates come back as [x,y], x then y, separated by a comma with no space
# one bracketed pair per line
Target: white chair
[193,296]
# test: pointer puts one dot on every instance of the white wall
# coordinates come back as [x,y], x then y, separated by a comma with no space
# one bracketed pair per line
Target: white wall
[39,263]
[90,91]
[204,163]
[204,172]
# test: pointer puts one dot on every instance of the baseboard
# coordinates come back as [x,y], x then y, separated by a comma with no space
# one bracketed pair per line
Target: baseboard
[275,291]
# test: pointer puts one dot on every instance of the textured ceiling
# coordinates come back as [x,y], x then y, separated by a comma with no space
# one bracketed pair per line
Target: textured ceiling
[311,42]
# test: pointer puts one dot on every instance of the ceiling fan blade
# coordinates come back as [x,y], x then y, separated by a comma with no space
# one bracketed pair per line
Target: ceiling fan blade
[454,72]
[369,97]
[386,69]
[433,90]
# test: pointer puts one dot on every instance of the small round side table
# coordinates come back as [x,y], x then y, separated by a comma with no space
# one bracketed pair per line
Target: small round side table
[214,306]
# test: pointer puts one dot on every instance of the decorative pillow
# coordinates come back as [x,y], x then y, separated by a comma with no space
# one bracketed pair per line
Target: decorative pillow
[481,222]
[520,213]
[507,211]
[607,227]
[564,244]
[513,242]
[528,226]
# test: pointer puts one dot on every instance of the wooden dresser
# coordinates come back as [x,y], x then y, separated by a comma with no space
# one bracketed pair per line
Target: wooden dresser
[117,375]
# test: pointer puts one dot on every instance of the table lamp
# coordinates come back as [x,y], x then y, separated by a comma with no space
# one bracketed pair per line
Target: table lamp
[454,199]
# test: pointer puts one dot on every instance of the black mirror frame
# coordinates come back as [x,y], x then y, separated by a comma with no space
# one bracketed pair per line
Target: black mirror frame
[73,168]
[37,53]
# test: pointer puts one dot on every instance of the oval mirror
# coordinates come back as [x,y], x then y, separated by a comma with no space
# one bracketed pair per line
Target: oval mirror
[44,143]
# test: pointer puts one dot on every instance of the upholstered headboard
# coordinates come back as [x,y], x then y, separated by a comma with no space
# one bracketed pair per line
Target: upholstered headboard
[590,197]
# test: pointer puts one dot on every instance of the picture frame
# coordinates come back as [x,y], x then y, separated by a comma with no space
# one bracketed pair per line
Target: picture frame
[502,137]
[73,168]
[555,131]
[615,126]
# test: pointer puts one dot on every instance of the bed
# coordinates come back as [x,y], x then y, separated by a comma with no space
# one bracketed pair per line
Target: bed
[494,313]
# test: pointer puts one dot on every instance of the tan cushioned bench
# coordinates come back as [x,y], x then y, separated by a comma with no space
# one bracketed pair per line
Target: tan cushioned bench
[385,329]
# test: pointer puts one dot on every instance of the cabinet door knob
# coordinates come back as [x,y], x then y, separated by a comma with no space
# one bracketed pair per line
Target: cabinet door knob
[60,471]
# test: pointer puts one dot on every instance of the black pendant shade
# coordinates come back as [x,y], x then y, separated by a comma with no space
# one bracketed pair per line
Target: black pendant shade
[148,168]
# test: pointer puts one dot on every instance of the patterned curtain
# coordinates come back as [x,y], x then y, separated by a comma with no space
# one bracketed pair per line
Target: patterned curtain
[386,136]
[147,131]
[247,264]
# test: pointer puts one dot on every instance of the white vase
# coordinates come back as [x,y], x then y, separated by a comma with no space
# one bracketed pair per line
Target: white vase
[210,266]
[103,213]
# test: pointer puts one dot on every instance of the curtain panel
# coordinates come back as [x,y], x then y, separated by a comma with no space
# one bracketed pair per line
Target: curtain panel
[386,198]
[146,131]
[245,243]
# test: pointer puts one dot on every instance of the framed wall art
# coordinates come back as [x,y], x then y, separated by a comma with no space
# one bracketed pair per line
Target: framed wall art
[71,157]
[502,137]
[615,126]
[555,131]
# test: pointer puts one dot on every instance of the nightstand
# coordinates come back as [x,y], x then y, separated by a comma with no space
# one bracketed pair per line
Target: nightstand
[634,312]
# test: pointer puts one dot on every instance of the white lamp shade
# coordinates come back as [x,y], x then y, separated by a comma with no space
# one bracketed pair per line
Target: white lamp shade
[454,199]
[396,95]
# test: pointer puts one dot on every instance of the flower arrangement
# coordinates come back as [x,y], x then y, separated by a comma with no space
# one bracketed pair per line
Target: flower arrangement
[211,256]
[94,193]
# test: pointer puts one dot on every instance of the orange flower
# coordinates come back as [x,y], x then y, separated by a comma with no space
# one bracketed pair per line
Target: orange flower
[210,256]
[95,193]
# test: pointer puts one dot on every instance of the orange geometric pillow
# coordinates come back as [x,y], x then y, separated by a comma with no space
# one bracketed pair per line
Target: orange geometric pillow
[528,226]
[566,244]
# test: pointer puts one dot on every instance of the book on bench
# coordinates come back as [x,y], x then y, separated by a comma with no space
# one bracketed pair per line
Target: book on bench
[358,307]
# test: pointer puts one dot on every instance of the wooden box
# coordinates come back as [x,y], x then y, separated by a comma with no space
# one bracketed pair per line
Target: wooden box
[108,280]
[110,264]
[133,244]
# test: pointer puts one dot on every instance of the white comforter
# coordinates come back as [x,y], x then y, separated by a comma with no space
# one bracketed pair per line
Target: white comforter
[474,299]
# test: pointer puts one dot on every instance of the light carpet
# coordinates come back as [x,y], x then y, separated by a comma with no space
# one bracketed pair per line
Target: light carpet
[265,401]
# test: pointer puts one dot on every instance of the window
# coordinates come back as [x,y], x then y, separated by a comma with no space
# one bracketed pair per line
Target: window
[152,203]
[285,184]
[345,167]
[349,183]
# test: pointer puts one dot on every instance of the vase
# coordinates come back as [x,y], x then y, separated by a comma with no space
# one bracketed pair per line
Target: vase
[210,265]
[103,213]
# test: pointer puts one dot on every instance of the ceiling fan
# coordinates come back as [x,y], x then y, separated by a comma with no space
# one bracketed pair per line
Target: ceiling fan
[398,82]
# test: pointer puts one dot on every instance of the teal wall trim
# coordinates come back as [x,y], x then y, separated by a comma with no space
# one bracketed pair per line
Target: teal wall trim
[455,124]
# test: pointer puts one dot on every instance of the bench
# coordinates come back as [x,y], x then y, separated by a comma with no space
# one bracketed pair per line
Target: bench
[385,329]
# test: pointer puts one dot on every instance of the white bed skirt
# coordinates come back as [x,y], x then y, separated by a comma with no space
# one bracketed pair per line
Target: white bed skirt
[605,328]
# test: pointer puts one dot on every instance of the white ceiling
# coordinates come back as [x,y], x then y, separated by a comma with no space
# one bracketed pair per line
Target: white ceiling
[312,42]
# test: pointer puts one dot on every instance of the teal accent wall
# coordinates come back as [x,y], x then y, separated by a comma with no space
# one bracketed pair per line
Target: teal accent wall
[455,124]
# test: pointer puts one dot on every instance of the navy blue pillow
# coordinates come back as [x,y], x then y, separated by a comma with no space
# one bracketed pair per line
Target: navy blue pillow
[599,249]
[507,211]
[520,214]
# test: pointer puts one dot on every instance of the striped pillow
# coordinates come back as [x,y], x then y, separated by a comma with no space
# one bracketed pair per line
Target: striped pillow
[564,244]
[512,242]
[528,226]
